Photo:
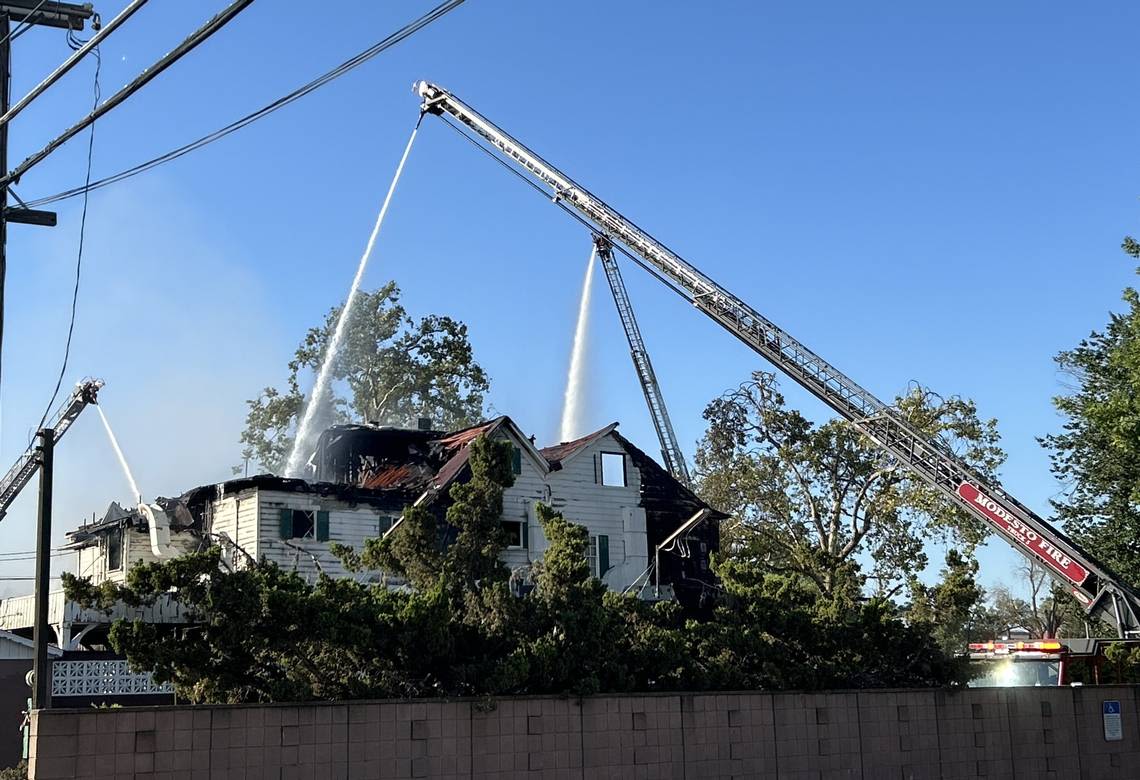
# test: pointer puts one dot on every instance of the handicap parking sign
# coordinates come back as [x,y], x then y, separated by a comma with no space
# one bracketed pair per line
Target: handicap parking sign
[1113,729]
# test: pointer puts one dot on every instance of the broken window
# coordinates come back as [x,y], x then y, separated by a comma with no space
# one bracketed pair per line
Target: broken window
[115,549]
[516,533]
[613,469]
[304,524]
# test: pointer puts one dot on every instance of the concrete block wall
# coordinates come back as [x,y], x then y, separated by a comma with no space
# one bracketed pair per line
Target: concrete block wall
[1000,734]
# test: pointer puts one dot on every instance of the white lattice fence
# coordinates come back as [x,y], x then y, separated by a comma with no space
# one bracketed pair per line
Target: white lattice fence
[101,678]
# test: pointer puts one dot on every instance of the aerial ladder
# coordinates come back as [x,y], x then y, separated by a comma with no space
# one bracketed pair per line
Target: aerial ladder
[1101,592]
[22,471]
[670,450]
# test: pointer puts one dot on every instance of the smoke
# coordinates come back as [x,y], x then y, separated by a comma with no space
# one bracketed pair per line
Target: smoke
[574,402]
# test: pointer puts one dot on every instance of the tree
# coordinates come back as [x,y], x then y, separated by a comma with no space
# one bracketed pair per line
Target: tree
[389,369]
[261,633]
[808,499]
[778,631]
[1097,454]
[951,608]
[1048,612]
[569,643]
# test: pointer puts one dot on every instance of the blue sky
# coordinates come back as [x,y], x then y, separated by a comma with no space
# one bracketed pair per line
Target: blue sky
[918,193]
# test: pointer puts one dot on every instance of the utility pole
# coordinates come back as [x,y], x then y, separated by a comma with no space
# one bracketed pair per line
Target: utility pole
[40,631]
[32,12]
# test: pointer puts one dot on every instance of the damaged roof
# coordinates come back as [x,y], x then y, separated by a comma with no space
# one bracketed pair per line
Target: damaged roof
[389,459]
[558,454]
[349,493]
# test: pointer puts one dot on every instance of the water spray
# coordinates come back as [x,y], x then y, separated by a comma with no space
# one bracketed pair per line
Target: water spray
[302,443]
[573,404]
[136,494]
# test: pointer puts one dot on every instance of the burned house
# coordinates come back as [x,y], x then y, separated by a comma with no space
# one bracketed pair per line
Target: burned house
[364,478]
[634,510]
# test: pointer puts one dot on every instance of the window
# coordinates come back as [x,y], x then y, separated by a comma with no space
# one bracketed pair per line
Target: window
[516,460]
[516,532]
[613,469]
[598,555]
[304,524]
[114,544]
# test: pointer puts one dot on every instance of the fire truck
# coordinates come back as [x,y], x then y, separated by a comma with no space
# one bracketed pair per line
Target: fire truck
[1042,662]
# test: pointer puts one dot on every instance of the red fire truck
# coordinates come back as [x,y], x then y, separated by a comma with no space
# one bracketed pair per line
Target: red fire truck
[1009,662]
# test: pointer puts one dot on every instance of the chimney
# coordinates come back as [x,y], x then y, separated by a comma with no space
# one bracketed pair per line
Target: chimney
[424,424]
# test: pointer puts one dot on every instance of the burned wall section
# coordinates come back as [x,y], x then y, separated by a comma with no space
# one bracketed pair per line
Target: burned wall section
[668,504]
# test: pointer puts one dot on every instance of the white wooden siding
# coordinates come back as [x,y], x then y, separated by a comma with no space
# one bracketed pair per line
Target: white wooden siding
[137,548]
[348,524]
[577,492]
[92,561]
[19,612]
[236,518]
[251,518]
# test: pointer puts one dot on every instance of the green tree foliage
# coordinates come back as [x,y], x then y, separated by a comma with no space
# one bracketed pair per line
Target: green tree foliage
[390,369]
[260,633]
[1050,611]
[780,631]
[953,609]
[807,499]
[1097,454]
[18,772]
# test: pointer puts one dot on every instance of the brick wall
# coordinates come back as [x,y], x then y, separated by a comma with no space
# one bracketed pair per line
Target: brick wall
[1001,734]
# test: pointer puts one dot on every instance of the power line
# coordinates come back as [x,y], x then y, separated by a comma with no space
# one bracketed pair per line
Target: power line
[192,42]
[71,61]
[79,256]
[350,64]
[23,26]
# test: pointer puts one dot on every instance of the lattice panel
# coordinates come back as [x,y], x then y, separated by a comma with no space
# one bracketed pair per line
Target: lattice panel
[101,678]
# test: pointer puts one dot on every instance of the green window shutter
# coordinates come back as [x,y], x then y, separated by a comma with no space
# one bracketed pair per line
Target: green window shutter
[286,523]
[603,555]
[322,526]
[516,460]
[525,534]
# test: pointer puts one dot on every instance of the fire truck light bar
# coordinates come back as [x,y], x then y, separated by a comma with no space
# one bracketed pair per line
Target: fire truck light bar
[1008,647]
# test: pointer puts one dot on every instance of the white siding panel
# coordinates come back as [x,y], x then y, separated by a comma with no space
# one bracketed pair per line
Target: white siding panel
[577,492]
[349,525]
[138,549]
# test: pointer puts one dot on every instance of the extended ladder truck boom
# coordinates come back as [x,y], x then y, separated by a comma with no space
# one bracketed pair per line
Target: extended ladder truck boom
[654,399]
[1098,589]
[22,471]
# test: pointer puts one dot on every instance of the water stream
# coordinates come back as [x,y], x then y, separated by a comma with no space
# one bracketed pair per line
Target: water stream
[136,494]
[305,441]
[574,402]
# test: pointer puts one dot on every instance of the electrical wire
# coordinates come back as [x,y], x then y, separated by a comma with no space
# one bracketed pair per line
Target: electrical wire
[79,256]
[23,26]
[348,65]
[188,45]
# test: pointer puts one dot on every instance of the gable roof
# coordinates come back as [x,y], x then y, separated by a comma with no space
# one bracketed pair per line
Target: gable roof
[558,454]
